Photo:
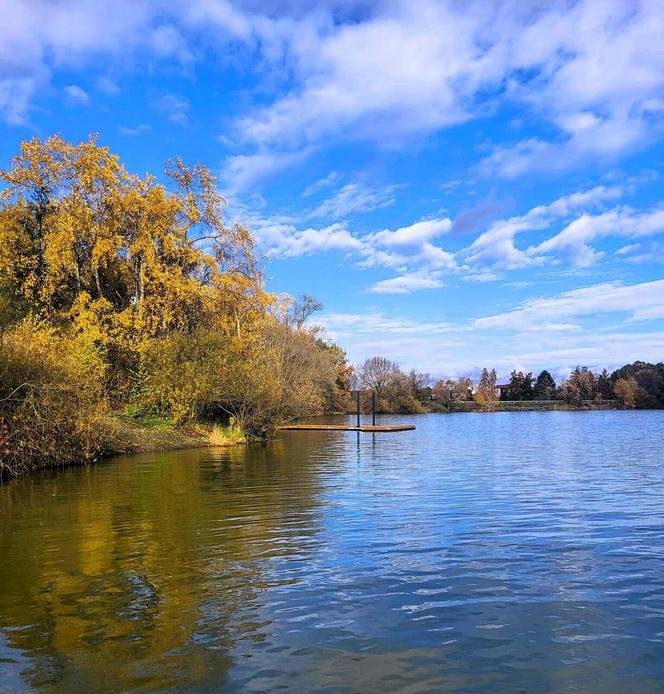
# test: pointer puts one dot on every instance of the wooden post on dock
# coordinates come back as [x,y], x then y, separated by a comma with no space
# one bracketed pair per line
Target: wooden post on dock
[357,402]
[373,407]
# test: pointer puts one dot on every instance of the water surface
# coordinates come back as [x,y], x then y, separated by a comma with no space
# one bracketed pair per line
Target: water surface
[503,552]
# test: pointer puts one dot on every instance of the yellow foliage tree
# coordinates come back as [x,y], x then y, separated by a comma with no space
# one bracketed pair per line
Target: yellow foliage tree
[166,297]
[122,259]
[485,395]
[78,230]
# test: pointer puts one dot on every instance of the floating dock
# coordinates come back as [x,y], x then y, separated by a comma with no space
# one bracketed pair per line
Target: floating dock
[348,427]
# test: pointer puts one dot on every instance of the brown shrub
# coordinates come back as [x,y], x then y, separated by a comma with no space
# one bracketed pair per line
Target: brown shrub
[51,400]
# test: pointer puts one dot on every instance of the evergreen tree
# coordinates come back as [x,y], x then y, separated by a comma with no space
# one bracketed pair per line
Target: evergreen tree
[545,387]
[520,386]
[604,386]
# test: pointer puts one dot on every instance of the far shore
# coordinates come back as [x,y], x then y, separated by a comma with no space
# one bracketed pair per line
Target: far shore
[505,406]
[534,406]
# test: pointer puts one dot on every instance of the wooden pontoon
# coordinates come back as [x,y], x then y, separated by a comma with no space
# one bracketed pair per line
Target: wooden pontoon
[352,427]
[348,427]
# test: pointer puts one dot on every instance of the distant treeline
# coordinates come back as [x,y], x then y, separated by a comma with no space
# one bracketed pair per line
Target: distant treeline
[637,385]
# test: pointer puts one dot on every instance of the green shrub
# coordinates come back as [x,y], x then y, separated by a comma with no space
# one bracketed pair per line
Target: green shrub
[180,374]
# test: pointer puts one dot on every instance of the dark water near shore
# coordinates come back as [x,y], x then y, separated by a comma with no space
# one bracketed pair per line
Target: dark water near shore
[499,553]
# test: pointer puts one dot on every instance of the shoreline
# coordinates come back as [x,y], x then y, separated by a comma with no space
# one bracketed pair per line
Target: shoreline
[135,437]
[536,406]
[131,437]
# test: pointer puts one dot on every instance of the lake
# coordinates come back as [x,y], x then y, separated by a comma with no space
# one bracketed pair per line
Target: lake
[480,553]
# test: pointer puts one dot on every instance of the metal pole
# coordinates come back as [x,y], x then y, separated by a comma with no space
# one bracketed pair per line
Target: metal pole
[357,402]
[373,407]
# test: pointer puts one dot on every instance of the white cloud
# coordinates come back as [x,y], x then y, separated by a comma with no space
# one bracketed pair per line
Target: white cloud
[557,333]
[384,77]
[407,249]
[626,250]
[407,283]
[383,72]
[175,108]
[415,253]
[286,241]
[608,139]
[39,38]
[243,170]
[651,252]
[414,235]
[353,198]
[77,95]
[599,68]
[449,349]
[15,96]
[572,243]
[642,301]
[136,131]
[591,69]
[167,41]
[330,180]
[496,246]
[108,86]
[352,323]
[562,353]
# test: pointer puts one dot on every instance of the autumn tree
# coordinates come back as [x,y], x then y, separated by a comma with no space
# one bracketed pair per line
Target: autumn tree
[448,391]
[627,392]
[301,310]
[650,379]
[419,385]
[338,395]
[134,268]
[87,246]
[139,258]
[581,385]
[379,374]
[51,398]
[604,386]
[283,376]
[486,395]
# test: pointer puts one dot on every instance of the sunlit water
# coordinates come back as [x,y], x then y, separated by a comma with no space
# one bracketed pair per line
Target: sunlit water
[503,552]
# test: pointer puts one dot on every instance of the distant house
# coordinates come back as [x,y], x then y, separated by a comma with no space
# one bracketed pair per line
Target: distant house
[500,389]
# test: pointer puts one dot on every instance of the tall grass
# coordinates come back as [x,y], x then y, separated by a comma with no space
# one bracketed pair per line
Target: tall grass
[230,435]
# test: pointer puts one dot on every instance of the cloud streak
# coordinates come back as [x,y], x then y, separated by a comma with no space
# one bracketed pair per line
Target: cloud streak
[643,301]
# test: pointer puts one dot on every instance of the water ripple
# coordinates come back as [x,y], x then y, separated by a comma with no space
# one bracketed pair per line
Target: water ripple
[506,552]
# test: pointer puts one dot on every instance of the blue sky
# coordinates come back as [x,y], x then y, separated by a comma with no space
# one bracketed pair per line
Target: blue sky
[462,184]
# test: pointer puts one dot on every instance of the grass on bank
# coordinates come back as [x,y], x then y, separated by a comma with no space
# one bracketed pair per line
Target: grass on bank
[139,431]
[230,435]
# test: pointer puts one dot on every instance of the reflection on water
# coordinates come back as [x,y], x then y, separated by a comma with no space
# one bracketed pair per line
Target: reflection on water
[479,552]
